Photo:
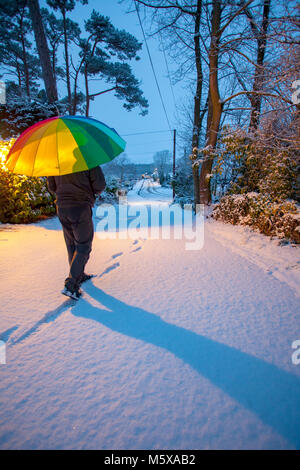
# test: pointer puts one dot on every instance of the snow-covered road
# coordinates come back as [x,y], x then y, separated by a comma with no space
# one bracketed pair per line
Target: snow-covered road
[167,349]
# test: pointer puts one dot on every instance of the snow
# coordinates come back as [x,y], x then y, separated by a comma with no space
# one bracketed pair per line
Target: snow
[280,261]
[167,349]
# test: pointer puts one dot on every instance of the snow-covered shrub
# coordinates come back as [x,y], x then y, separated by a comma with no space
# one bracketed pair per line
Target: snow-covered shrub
[15,118]
[257,163]
[229,160]
[22,199]
[109,195]
[281,219]
[264,182]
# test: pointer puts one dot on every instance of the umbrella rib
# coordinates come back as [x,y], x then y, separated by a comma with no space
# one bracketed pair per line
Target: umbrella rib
[13,169]
[38,147]
[58,166]
[35,152]
[20,151]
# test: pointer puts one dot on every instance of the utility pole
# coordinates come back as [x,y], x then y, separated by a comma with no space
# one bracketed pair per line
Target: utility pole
[174,156]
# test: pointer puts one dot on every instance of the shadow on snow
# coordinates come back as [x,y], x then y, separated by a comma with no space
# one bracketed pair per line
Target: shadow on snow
[271,393]
[264,389]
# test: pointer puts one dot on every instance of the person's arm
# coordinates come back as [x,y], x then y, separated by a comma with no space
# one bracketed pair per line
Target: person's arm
[97,180]
[51,184]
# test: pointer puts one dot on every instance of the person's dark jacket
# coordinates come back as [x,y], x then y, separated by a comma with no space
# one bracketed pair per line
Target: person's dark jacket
[77,188]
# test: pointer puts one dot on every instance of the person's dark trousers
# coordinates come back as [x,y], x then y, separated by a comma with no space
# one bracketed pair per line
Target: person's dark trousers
[78,232]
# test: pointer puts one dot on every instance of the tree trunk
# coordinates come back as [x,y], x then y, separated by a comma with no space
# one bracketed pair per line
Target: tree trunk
[54,63]
[42,46]
[26,70]
[19,77]
[67,62]
[214,104]
[74,98]
[74,102]
[87,96]
[261,34]
[197,99]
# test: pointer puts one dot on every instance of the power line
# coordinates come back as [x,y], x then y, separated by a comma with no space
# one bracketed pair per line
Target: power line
[152,65]
[143,153]
[168,70]
[153,142]
[147,132]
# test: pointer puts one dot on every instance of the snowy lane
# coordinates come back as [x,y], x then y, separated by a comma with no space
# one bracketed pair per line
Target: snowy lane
[150,192]
[167,349]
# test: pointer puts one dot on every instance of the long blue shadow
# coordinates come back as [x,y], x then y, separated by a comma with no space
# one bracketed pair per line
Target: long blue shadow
[271,393]
[47,318]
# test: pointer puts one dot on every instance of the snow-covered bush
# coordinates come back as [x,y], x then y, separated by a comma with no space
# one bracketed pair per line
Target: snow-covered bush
[258,163]
[22,199]
[264,186]
[281,219]
[15,118]
[109,195]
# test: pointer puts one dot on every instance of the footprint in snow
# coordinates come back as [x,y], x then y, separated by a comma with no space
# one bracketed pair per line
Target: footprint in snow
[116,255]
[110,268]
[136,249]
[135,242]
[294,266]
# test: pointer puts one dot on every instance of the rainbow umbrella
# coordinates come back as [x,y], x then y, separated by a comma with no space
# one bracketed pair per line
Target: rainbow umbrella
[63,145]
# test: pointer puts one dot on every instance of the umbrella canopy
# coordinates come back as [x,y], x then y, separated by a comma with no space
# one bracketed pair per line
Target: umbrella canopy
[63,145]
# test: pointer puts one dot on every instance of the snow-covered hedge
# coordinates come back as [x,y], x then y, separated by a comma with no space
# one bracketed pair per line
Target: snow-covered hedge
[24,200]
[281,219]
[16,117]
[109,195]
[246,163]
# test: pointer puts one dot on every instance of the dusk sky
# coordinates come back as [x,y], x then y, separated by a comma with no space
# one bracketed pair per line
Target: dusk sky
[107,108]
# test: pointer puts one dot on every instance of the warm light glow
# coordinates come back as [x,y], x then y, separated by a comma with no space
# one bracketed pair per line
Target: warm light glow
[5,146]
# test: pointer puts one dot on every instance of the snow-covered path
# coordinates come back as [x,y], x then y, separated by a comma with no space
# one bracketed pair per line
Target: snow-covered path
[167,349]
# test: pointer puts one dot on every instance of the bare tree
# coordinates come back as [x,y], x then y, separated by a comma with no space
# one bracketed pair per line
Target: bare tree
[162,161]
[119,164]
[222,45]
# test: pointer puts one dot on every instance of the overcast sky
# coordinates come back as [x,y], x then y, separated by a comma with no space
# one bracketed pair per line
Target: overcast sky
[107,108]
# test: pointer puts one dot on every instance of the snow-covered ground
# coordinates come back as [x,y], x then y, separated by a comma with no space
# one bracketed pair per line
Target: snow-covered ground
[169,348]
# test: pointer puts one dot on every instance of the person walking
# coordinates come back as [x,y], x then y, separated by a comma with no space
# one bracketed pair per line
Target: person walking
[75,196]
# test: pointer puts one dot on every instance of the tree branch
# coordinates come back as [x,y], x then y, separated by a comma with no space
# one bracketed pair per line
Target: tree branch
[262,93]
[220,32]
[179,7]
[102,92]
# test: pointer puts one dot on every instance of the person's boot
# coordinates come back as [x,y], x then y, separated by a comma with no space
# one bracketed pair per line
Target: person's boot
[71,290]
[86,277]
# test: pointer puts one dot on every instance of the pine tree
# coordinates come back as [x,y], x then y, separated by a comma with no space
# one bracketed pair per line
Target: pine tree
[65,6]
[16,54]
[97,53]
